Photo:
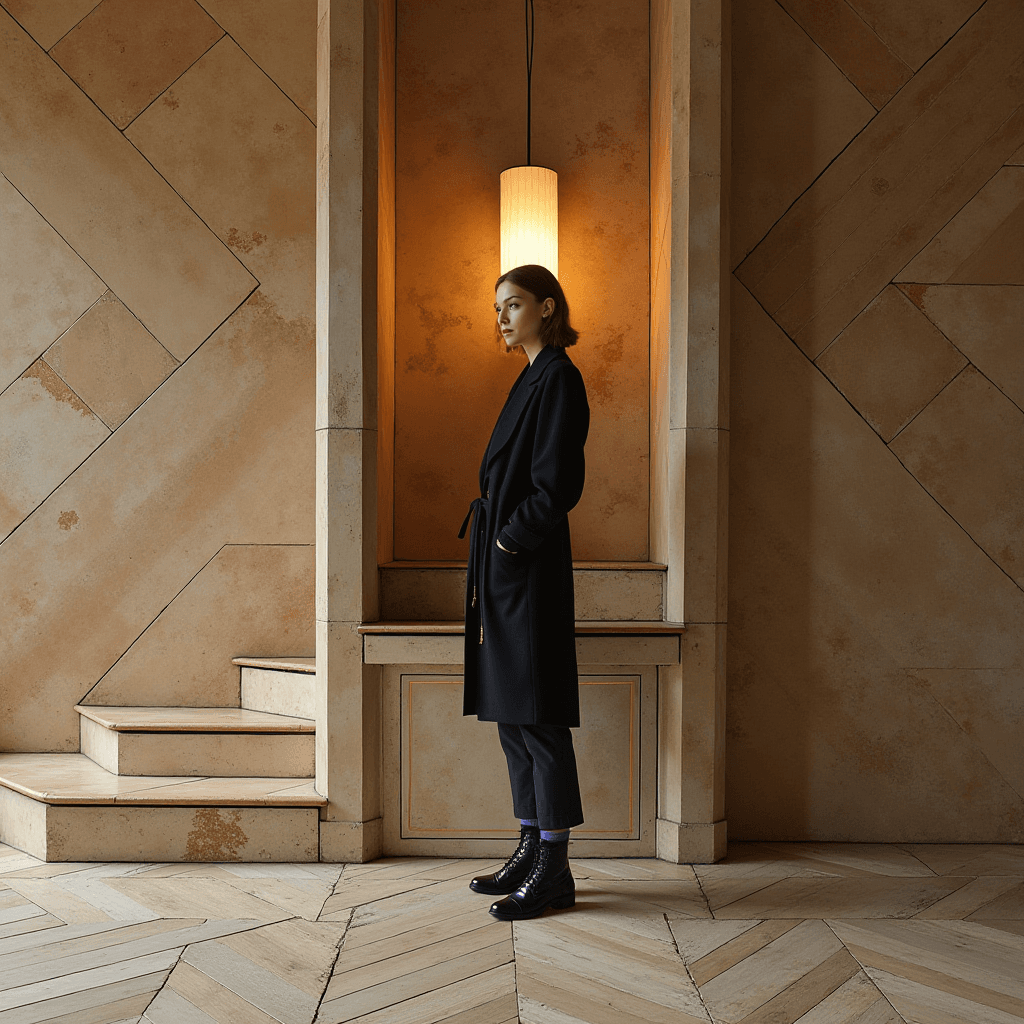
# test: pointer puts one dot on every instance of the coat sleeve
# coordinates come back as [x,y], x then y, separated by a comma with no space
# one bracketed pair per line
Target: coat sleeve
[557,468]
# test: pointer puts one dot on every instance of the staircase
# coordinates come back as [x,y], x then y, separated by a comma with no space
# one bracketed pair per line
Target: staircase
[178,784]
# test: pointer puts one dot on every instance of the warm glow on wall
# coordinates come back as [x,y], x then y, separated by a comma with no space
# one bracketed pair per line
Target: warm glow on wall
[529,218]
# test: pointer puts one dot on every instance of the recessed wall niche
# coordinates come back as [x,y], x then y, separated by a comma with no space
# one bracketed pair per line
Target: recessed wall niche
[460,119]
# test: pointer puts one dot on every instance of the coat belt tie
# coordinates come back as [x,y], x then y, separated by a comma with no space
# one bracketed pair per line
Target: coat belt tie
[478,513]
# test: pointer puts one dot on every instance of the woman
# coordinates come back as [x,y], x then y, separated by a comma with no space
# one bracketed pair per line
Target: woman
[520,660]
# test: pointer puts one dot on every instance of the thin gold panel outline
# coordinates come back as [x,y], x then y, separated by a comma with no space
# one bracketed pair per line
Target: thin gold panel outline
[406,758]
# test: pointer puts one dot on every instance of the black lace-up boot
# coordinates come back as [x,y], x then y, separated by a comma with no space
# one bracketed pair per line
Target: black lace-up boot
[549,884]
[515,870]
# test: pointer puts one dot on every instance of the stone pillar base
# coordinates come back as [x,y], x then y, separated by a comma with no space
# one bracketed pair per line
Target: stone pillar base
[691,843]
[350,842]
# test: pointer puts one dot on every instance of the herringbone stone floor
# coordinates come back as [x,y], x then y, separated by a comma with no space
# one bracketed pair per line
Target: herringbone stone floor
[775,934]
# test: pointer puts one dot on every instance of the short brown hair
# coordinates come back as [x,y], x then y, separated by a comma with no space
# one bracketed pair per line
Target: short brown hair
[542,284]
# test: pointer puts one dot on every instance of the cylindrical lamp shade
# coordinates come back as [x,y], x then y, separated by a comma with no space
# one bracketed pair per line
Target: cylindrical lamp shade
[529,218]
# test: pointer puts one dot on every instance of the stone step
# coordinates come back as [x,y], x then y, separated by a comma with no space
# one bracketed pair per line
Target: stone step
[224,742]
[65,807]
[279,686]
[139,833]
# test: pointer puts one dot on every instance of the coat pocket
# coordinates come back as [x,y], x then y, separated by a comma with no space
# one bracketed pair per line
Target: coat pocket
[506,563]
[506,579]
[509,560]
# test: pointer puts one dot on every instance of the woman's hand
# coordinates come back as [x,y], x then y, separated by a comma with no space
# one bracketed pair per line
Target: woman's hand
[503,548]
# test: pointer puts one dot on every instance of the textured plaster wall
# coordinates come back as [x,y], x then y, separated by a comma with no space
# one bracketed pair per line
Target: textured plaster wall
[876,649]
[156,364]
[460,117]
[156,351]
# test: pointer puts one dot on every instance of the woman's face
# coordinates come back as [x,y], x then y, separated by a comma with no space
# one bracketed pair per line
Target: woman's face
[520,315]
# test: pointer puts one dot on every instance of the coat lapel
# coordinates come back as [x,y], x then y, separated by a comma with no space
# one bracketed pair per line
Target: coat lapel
[517,402]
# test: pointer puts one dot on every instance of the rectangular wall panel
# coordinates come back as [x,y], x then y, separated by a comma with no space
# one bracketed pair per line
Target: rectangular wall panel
[448,785]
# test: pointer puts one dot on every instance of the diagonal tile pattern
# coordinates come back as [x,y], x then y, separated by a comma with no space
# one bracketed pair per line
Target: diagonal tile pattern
[970,859]
[890,362]
[45,285]
[915,30]
[279,970]
[356,993]
[958,252]
[256,138]
[883,199]
[110,360]
[566,968]
[846,897]
[125,54]
[37,410]
[181,324]
[853,45]
[782,973]
[47,21]
[971,424]
[783,86]
[404,941]
[109,204]
[957,310]
[877,157]
[280,46]
[169,662]
[951,971]
[623,905]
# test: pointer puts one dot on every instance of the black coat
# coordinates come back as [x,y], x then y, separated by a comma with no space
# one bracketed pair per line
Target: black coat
[520,660]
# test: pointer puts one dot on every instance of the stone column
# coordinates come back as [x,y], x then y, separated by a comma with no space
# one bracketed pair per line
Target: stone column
[348,692]
[689,358]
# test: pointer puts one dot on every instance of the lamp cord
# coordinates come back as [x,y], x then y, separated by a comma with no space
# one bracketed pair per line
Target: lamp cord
[529,74]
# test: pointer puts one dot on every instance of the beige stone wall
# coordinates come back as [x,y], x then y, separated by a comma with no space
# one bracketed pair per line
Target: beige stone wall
[461,119]
[156,365]
[156,352]
[877,501]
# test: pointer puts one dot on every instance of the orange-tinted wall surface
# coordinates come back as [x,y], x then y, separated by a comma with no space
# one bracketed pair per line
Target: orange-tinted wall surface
[156,352]
[460,120]
[876,536]
[156,365]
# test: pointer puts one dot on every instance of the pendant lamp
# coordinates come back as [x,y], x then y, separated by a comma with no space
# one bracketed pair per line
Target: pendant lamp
[529,196]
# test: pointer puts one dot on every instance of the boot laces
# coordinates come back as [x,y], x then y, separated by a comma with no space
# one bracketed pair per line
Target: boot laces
[539,867]
[521,851]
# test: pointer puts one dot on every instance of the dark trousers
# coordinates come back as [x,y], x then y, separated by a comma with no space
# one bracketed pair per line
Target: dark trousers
[542,772]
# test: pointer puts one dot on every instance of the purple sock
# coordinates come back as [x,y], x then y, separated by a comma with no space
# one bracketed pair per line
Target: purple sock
[555,835]
[532,822]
